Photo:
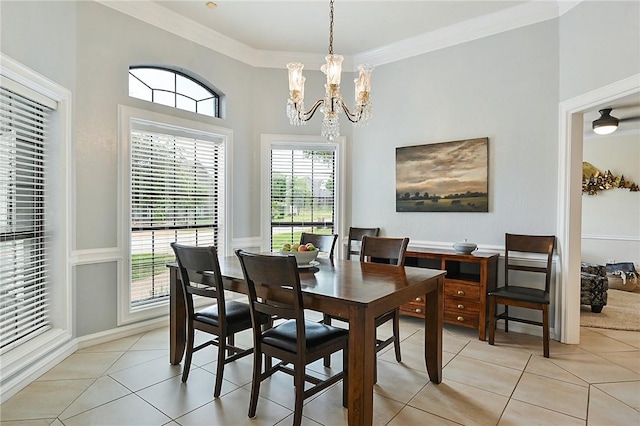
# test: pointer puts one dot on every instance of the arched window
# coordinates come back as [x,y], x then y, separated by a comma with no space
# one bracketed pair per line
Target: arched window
[172,88]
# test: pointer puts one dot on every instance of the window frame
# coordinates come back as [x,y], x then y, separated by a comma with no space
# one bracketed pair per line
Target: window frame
[48,346]
[128,117]
[304,142]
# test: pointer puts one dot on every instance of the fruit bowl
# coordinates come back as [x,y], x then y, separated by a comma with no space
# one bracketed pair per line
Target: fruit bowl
[465,247]
[302,257]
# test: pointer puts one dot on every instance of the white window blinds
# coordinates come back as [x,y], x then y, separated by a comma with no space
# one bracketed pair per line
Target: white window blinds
[177,195]
[24,277]
[302,192]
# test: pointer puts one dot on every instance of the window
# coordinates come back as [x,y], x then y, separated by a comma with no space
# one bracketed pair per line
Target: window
[177,194]
[23,238]
[303,178]
[172,88]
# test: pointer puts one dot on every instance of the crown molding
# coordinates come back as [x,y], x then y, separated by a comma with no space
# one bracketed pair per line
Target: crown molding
[505,20]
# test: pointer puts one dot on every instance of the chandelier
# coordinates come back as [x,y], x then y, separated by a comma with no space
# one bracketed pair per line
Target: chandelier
[332,102]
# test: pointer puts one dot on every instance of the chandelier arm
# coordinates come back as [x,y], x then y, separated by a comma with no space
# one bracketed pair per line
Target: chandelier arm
[306,116]
[354,118]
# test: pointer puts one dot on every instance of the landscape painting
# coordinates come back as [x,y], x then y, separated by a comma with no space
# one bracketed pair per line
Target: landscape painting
[443,177]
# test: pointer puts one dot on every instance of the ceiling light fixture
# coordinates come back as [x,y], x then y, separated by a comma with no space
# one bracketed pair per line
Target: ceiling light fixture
[606,124]
[332,102]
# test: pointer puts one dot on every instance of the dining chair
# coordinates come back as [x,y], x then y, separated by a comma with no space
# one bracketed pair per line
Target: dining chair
[530,295]
[383,250]
[295,341]
[325,243]
[200,276]
[355,239]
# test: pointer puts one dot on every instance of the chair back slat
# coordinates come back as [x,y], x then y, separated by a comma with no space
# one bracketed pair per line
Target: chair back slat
[355,236]
[384,250]
[540,244]
[325,243]
[277,281]
[199,274]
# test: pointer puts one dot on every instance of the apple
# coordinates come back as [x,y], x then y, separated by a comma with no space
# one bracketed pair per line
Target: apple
[303,248]
[286,247]
[295,247]
[310,247]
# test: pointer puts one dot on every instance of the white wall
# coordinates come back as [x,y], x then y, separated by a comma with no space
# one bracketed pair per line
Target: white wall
[611,218]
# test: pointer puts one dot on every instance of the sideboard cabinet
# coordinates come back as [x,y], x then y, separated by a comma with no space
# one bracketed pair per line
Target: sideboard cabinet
[469,277]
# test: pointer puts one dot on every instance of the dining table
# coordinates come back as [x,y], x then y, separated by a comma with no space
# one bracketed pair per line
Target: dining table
[353,290]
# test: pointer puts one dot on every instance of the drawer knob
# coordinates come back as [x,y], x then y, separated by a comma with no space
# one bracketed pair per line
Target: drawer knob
[460,306]
[418,311]
[460,318]
[460,293]
[418,299]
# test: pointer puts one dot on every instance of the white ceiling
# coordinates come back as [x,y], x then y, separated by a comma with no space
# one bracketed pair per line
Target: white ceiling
[303,26]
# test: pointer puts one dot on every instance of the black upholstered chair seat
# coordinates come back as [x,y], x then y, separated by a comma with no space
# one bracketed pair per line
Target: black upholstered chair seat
[524,294]
[284,335]
[237,313]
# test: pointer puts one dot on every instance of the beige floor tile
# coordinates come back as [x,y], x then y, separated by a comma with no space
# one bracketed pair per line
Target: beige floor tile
[631,338]
[545,367]
[413,416]
[412,351]
[147,374]
[232,410]
[605,410]
[399,382]
[483,375]
[133,358]
[594,369]
[629,360]
[35,422]
[128,410]
[155,339]
[85,365]
[518,413]
[272,387]
[327,408]
[118,345]
[627,392]
[102,391]
[238,372]
[553,394]
[596,343]
[175,398]
[506,357]
[460,403]
[43,400]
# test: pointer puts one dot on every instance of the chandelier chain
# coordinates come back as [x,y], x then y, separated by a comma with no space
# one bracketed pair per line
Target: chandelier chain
[331,28]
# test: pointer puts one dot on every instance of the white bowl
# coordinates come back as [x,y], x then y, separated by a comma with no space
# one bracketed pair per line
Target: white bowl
[302,257]
[465,247]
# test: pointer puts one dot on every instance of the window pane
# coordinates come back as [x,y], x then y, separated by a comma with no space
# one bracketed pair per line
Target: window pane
[302,193]
[185,103]
[139,90]
[207,107]
[164,98]
[155,78]
[191,89]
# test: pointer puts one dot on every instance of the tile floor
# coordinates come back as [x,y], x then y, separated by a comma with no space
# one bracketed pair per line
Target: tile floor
[130,382]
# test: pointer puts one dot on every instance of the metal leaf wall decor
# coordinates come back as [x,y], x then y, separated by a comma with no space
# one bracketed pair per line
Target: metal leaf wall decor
[593,181]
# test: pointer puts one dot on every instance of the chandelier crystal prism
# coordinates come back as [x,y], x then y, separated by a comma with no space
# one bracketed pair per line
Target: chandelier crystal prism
[332,103]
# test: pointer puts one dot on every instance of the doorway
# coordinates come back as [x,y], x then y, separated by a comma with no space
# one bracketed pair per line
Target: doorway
[569,225]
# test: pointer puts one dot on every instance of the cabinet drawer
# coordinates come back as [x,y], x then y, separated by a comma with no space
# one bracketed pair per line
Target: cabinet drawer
[463,306]
[468,319]
[413,309]
[461,290]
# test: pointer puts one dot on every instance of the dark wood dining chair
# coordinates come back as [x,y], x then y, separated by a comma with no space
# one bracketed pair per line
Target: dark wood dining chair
[200,276]
[355,239]
[390,251]
[524,296]
[325,243]
[295,341]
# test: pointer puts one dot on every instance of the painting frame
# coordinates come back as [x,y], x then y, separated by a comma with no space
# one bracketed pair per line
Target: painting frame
[443,177]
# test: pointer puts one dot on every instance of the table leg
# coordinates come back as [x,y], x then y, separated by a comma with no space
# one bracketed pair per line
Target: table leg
[177,318]
[362,355]
[433,331]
